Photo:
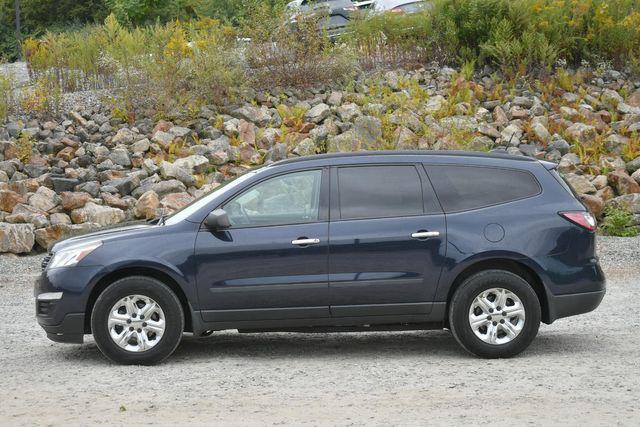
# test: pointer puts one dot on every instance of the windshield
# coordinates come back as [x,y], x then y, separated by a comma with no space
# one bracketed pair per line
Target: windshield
[196,205]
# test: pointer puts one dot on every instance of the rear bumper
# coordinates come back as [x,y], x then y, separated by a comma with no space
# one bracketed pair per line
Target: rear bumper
[560,306]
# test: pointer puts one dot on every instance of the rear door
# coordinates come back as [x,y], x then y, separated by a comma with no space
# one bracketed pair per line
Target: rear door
[387,239]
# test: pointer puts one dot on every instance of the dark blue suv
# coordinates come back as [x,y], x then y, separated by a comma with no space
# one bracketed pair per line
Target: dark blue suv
[486,245]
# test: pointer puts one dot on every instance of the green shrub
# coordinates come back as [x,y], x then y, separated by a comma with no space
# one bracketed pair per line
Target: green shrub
[525,53]
[284,55]
[402,40]
[618,222]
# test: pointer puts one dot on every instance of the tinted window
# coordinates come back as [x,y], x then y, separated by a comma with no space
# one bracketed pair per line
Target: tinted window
[286,199]
[379,192]
[462,188]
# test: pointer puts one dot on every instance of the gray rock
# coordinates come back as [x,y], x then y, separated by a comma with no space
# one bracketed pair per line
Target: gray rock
[348,112]
[162,138]
[580,183]
[180,132]
[125,185]
[306,147]
[582,133]
[511,135]
[560,144]
[16,238]
[523,101]
[44,199]
[120,156]
[192,164]
[462,123]
[318,113]
[102,215]
[123,136]
[633,165]
[611,97]
[368,129]
[541,132]
[141,146]
[91,187]
[250,113]
[335,98]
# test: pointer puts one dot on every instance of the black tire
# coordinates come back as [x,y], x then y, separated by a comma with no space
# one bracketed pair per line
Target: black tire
[162,295]
[474,286]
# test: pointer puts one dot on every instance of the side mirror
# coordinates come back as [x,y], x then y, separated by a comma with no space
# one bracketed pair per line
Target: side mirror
[217,220]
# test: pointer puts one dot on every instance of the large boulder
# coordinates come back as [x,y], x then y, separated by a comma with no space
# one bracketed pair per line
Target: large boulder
[176,201]
[192,164]
[318,113]
[582,133]
[44,199]
[47,237]
[74,200]
[9,199]
[580,183]
[368,130]
[123,136]
[623,183]
[16,238]
[98,214]
[147,205]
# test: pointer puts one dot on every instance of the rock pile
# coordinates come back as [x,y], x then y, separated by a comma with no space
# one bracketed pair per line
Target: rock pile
[90,169]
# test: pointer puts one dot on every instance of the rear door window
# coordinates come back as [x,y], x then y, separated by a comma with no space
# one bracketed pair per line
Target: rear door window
[379,191]
[461,188]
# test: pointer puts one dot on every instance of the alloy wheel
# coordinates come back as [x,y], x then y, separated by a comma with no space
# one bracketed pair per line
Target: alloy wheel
[136,323]
[497,316]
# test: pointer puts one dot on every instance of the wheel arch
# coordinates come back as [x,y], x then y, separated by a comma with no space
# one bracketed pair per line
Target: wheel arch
[511,265]
[122,273]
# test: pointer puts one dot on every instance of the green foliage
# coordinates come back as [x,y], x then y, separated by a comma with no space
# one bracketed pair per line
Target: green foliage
[294,55]
[40,16]
[24,145]
[523,54]
[618,222]
[406,40]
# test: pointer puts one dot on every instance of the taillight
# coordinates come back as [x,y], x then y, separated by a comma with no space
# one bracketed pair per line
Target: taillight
[397,10]
[581,218]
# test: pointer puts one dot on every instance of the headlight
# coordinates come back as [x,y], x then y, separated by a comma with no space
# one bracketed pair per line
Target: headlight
[71,256]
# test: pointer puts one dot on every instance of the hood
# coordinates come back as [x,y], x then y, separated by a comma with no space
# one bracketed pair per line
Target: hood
[104,235]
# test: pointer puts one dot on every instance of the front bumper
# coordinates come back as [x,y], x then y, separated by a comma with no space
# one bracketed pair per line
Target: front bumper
[61,299]
[71,330]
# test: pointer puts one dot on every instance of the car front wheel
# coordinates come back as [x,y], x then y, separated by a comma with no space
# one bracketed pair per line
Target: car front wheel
[494,314]
[137,320]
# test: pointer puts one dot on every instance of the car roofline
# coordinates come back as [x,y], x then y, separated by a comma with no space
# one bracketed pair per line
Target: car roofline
[388,153]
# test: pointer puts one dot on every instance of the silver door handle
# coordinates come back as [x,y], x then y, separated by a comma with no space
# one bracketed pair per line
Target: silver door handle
[305,242]
[425,234]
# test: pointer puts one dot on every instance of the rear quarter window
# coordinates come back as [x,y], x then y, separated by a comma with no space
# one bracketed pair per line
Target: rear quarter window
[462,188]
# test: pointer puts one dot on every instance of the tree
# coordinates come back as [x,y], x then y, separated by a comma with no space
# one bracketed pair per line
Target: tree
[18,30]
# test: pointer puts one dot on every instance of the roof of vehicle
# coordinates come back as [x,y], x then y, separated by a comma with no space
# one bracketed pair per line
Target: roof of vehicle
[453,153]
[392,4]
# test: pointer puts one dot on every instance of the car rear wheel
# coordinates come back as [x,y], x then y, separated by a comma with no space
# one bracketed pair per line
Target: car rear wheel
[137,320]
[494,314]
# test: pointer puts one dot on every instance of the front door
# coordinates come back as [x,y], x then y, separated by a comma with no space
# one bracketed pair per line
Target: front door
[387,241]
[271,264]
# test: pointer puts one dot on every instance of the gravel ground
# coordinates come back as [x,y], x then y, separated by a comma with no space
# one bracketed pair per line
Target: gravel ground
[582,370]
